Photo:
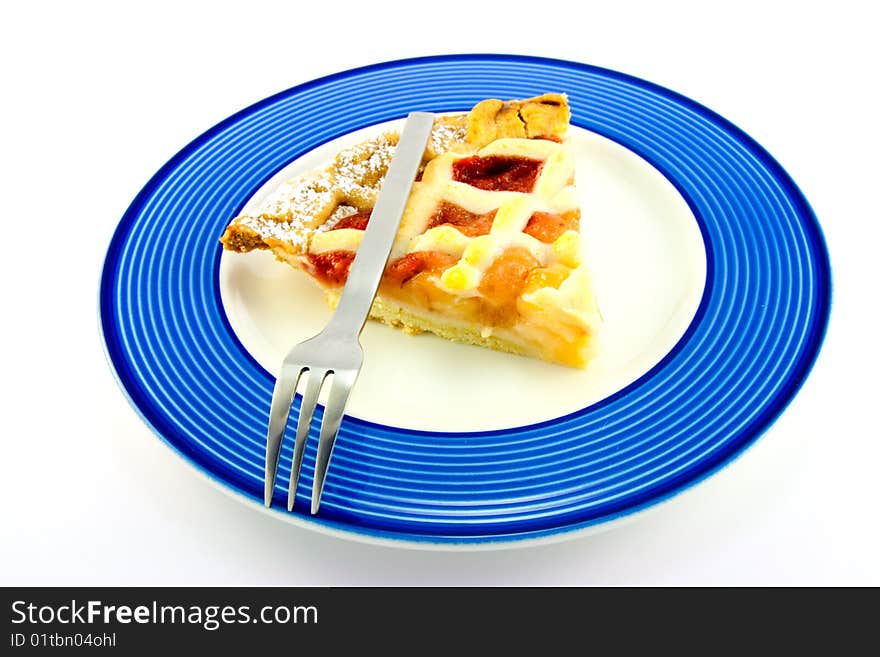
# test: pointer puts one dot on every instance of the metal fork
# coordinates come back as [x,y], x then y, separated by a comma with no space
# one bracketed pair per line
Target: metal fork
[336,351]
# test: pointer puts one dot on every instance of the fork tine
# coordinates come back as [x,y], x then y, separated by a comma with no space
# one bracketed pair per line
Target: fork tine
[282,398]
[339,392]
[306,410]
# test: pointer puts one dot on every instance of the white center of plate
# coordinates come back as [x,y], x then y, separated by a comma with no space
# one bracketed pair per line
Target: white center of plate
[648,262]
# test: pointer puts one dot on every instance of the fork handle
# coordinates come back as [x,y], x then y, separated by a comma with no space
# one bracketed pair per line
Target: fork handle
[375,248]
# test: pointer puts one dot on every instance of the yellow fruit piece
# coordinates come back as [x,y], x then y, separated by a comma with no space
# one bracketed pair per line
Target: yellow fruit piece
[480,250]
[567,249]
[460,277]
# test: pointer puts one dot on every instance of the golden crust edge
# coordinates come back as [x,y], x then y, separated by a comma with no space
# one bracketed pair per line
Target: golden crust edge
[576,354]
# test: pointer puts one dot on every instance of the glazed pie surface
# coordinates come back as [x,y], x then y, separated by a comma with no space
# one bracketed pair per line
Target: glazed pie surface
[489,249]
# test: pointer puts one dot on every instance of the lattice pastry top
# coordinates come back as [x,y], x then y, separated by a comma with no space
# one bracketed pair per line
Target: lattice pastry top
[489,247]
[451,211]
[319,199]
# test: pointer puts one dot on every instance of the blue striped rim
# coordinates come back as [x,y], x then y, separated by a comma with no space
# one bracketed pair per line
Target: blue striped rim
[748,350]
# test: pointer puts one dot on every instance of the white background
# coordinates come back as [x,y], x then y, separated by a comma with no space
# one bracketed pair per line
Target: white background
[97,96]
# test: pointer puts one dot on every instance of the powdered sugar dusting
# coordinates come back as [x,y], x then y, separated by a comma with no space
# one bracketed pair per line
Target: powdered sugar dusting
[320,199]
[308,195]
[359,171]
[289,212]
[290,231]
[443,136]
[338,215]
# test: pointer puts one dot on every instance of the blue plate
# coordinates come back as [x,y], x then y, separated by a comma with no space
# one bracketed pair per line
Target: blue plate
[752,342]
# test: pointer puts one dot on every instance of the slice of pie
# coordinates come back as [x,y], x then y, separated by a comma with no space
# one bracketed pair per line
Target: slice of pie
[489,247]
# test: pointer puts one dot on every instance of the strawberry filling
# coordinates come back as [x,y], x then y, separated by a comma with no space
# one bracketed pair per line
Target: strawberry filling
[498,172]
